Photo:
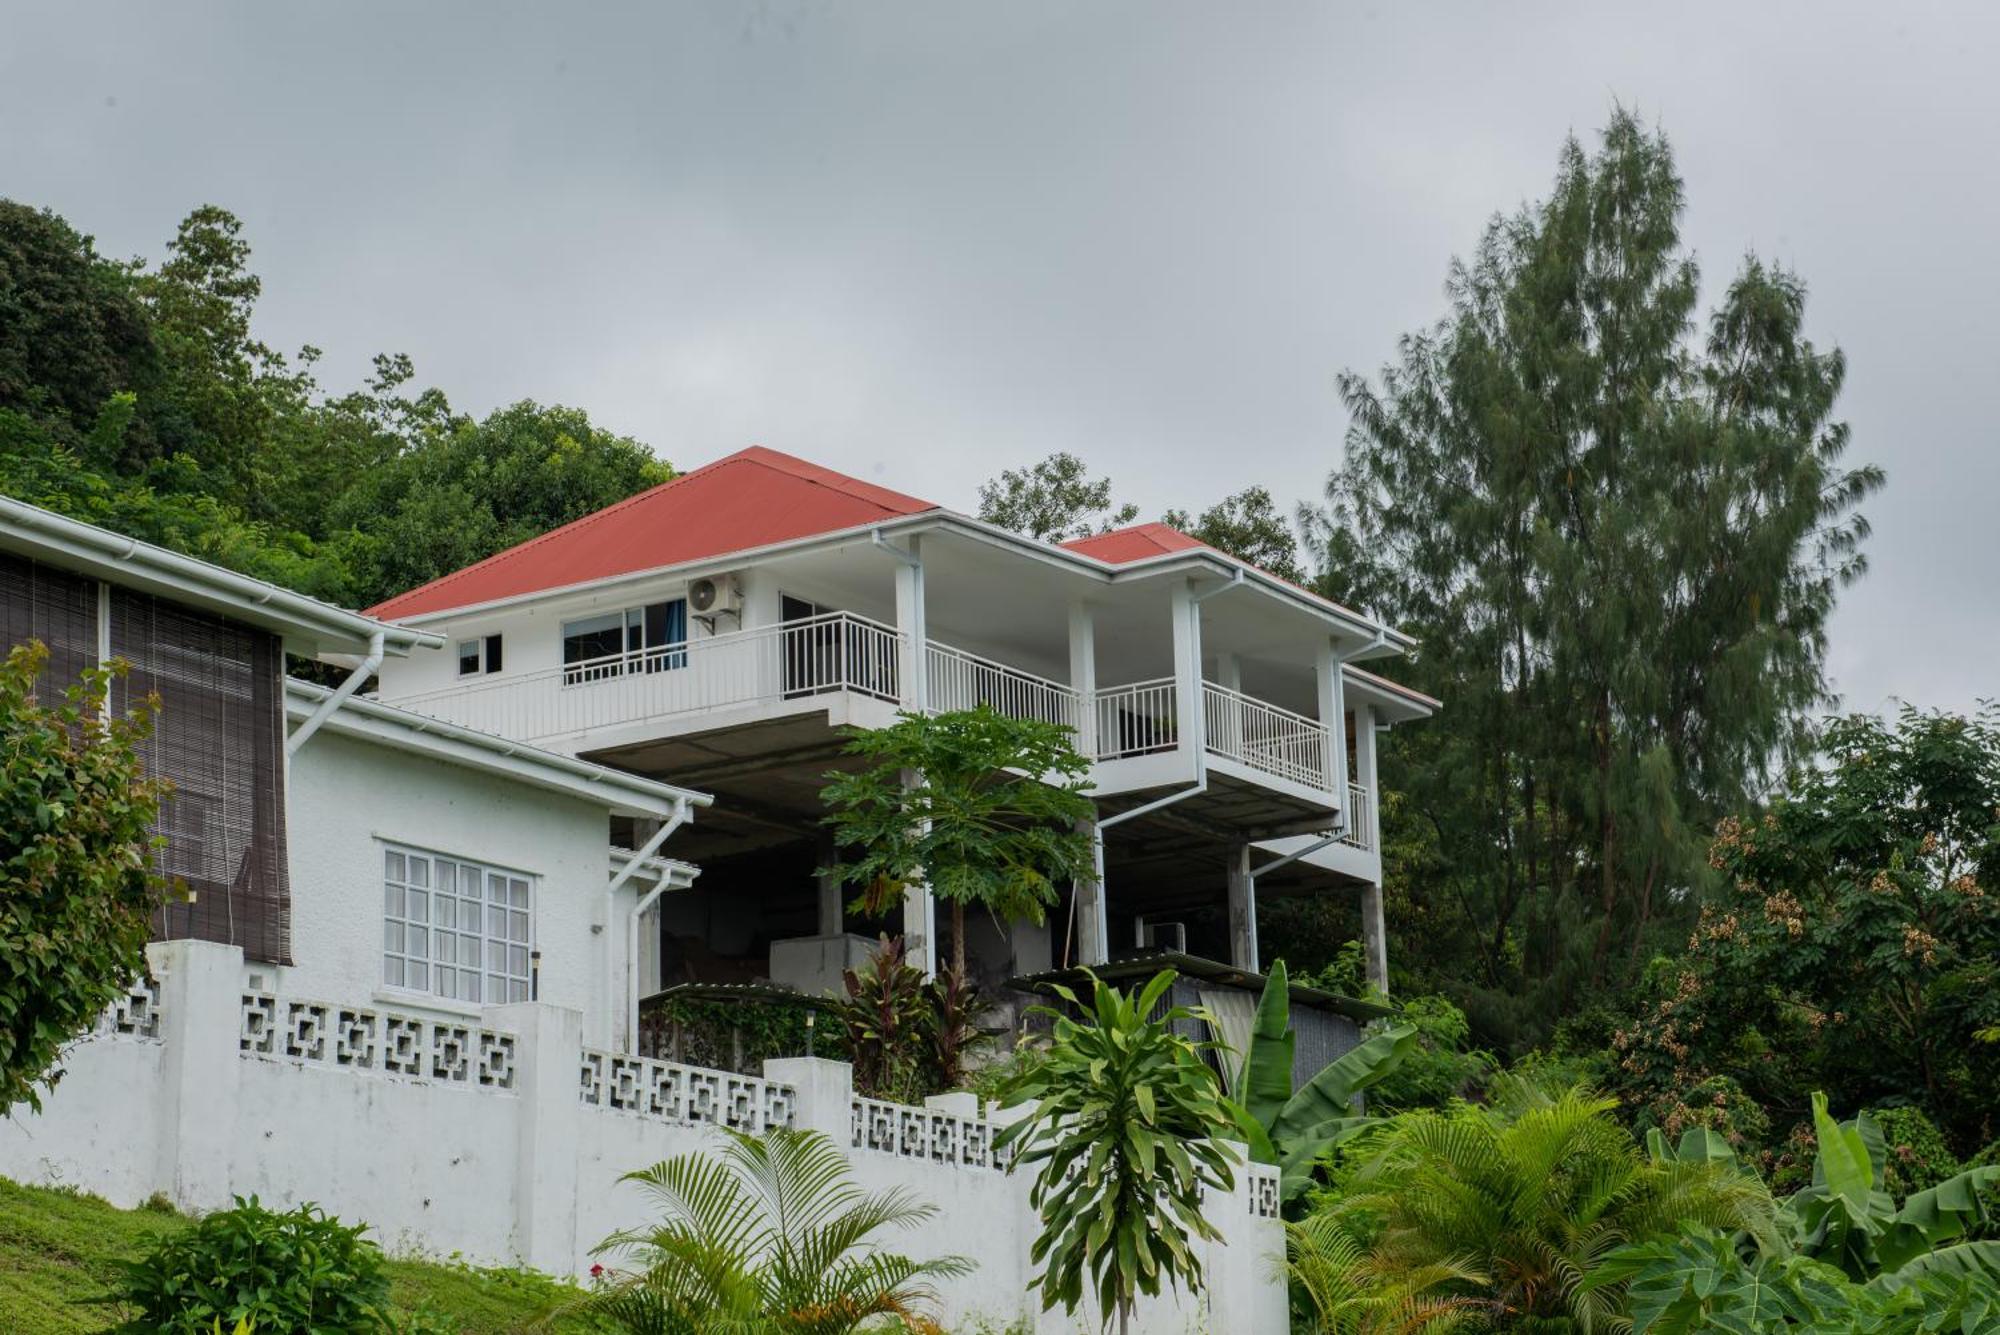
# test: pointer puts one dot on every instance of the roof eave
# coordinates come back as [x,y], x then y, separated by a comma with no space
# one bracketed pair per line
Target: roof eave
[309,626]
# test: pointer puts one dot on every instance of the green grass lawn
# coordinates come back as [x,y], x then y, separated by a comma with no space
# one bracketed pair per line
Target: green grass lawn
[59,1250]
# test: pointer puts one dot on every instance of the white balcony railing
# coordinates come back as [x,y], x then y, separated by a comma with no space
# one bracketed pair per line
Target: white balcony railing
[839,651]
[958,680]
[1137,720]
[834,652]
[1360,818]
[1265,737]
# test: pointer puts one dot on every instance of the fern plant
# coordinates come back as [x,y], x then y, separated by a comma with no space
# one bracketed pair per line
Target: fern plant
[770,1236]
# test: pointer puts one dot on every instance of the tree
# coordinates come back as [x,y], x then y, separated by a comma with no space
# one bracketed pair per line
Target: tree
[461,491]
[1296,1129]
[1619,544]
[982,808]
[770,1235]
[1852,943]
[1052,501]
[1125,1140]
[77,884]
[1249,527]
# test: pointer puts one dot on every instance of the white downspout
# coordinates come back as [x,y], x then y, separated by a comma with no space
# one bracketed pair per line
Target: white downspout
[1102,946]
[362,672]
[639,907]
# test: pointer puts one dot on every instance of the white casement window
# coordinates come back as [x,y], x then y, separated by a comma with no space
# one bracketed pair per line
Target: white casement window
[479,657]
[456,929]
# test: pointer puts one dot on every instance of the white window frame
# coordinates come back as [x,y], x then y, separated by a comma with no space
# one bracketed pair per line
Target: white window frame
[425,935]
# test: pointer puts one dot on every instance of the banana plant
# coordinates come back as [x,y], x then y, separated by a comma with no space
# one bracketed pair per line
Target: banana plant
[1295,1128]
[1847,1220]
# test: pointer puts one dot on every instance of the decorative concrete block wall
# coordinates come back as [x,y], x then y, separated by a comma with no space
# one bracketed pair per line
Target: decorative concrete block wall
[503,1140]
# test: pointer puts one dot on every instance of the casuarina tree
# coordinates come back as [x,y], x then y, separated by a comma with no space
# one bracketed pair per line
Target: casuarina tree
[1618,530]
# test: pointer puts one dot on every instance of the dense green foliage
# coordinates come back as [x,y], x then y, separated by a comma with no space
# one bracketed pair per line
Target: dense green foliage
[1295,1128]
[1851,945]
[1054,500]
[984,809]
[140,399]
[1123,1138]
[77,884]
[295,1270]
[1617,537]
[771,1235]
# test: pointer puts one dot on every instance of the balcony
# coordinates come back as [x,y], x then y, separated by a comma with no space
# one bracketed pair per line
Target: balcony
[684,688]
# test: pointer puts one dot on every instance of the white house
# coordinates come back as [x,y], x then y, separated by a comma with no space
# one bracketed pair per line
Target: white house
[404,982]
[722,629]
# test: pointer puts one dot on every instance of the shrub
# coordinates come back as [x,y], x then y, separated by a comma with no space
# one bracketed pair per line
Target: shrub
[1916,1156]
[76,818]
[1440,1067]
[296,1271]
[1717,1103]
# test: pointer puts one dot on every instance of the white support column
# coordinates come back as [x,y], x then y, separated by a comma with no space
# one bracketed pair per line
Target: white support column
[1083,674]
[1227,729]
[1242,910]
[910,620]
[831,918]
[919,915]
[1333,714]
[1093,920]
[1374,939]
[1187,673]
[1364,770]
[825,1095]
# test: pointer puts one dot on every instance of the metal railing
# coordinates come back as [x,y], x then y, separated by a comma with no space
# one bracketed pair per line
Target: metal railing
[1265,737]
[959,680]
[1360,818]
[1137,720]
[837,651]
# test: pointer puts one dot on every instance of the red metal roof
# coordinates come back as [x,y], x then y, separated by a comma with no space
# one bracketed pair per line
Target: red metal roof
[1122,546]
[753,498]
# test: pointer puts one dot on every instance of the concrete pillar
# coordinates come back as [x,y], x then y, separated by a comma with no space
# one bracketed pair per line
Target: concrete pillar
[1374,939]
[201,1000]
[548,1052]
[1227,729]
[825,1095]
[911,621]
[1242,910]
[1030,946]
[919,915]
[1333,713]
[1093,917]
[832,920]
[1367,822]
[1187,672]
[1083,674]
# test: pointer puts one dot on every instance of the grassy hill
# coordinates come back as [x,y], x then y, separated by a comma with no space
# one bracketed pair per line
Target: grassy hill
[59,1250]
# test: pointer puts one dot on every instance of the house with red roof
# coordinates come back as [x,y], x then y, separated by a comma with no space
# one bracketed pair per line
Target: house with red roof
[722,631]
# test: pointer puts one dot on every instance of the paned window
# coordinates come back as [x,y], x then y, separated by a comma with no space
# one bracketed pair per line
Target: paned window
[456,929]
[652,638]
[477,657]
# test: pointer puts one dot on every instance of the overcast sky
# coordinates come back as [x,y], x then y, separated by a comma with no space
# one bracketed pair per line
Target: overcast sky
[924,242]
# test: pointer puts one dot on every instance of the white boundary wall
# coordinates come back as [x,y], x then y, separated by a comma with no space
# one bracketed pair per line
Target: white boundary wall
[502,1138]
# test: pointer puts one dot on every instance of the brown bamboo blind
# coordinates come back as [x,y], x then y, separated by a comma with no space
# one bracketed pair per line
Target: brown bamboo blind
[219,736]
[38,602]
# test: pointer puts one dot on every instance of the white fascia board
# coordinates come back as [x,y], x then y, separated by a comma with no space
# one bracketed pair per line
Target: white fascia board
[1349,622]
[309,626]
[1396,702]
[384,725]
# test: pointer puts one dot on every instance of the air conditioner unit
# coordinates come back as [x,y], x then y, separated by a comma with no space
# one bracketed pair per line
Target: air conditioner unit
[1170,936]
[710,598]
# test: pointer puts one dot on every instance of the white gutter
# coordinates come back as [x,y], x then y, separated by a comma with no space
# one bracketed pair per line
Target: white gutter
[105,554]
[639,907]
[362,672]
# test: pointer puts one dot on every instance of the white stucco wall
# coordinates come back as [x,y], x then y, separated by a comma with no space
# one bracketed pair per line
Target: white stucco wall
[481,1138]
[347,797]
